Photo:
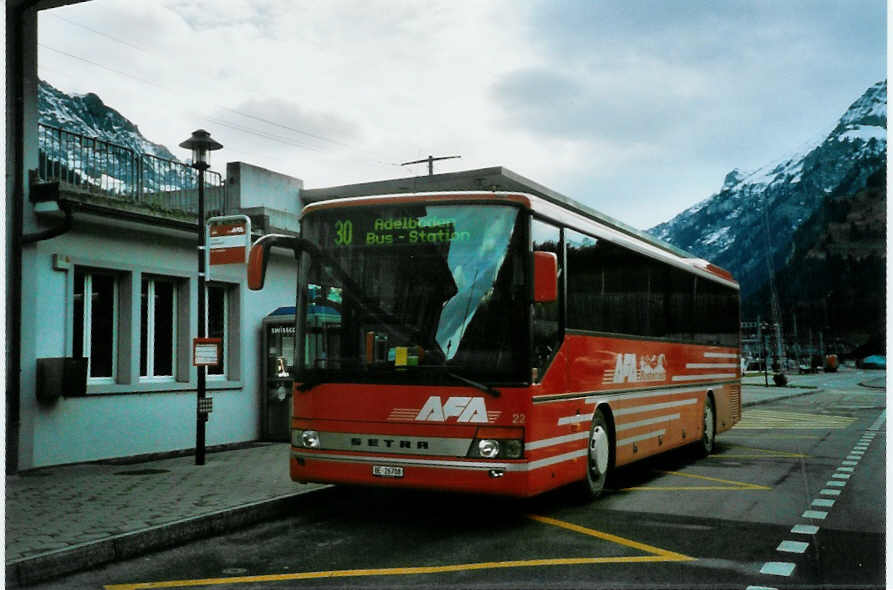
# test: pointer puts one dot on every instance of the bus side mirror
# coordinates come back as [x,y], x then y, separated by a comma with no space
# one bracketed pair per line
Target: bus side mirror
[259,256]
[545,277]
[257,265]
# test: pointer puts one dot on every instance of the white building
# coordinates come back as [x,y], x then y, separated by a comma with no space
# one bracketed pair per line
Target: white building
[120,289]
[111,275]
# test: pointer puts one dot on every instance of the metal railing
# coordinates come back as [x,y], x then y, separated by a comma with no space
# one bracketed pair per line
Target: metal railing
[120,174]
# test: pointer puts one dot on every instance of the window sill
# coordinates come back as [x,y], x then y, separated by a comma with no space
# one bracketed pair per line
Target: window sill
[159,387]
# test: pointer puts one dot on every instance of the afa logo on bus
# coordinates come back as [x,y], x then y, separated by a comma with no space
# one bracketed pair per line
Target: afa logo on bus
[630,369]
[464,409]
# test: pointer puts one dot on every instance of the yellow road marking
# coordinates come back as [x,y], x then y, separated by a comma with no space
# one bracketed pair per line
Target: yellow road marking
[656,555]
[774,437]
[764,453]
[770,419]
[729,484]
[658,552]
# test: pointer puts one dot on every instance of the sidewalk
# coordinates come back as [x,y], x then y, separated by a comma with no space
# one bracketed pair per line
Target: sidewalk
[68,518]
[755,392]
[73,517]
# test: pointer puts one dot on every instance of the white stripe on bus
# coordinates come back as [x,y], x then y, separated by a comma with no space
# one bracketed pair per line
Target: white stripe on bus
[641,437]
[652,407]
[711,365]
[704,376]
[648,422]
[720,355]
[557,440]
[644,394]
[574,419]
[549,461]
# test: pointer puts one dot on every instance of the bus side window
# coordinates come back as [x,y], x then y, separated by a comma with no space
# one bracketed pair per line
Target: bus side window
[547,316]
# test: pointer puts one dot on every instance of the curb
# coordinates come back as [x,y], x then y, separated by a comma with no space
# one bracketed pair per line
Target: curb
[780,397]
[40,568]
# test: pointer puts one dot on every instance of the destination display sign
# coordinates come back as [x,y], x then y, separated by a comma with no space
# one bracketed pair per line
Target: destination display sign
[396,230]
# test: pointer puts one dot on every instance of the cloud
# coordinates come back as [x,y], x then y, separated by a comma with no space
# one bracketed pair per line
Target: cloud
[607,104]
[611,102]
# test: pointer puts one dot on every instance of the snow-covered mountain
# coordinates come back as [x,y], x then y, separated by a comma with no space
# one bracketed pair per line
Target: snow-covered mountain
[758,211]
[87,115]
[126,163]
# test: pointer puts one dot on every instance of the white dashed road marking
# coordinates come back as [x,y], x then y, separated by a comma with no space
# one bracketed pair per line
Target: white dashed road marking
[792,546]
[778,568]
[838,480]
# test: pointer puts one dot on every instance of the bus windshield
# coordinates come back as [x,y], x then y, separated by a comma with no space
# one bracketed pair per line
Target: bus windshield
[400,290]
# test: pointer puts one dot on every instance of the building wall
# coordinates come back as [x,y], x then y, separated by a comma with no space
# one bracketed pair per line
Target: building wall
[251,186]
[129,417]
[134,416]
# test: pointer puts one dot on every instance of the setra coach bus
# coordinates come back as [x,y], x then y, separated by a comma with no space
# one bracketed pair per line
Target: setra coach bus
[498,342]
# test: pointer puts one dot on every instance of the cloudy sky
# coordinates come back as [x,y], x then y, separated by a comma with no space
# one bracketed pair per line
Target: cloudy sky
[637,108]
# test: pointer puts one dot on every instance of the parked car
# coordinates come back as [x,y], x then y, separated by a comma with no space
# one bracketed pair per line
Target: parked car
[875,361]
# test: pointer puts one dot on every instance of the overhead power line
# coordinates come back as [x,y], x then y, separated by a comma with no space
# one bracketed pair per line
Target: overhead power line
[100,33]
[237,112]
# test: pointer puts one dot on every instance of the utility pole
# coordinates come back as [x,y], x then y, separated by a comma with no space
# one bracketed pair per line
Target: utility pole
[430,160]
[776,311]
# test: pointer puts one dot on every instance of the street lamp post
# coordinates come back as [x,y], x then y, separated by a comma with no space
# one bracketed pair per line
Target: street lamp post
[201,145]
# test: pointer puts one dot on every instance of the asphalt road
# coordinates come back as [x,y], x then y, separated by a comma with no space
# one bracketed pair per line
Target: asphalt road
[792,497]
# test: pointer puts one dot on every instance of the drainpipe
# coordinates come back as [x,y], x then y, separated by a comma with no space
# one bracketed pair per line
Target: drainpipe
[14,284]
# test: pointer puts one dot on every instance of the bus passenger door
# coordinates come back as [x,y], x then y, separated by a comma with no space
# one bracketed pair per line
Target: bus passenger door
[547,320]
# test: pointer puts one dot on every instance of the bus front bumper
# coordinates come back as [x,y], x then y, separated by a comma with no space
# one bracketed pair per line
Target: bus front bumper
[475,475]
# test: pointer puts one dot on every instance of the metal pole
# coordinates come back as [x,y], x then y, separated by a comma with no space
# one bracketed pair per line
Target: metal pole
[199,416]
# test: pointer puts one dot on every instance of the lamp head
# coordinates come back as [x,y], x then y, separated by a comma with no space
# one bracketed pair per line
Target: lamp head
[201,145]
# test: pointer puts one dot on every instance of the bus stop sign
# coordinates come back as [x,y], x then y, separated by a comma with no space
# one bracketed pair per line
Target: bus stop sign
[229,238]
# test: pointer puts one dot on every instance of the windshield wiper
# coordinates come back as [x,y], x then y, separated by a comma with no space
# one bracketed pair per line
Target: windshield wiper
[485,388]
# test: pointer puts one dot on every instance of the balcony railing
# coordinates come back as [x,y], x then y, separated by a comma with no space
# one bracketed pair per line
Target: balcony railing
[117,174]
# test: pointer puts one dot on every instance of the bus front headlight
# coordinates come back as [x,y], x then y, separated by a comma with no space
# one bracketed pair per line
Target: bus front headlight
[498,442]
[488,448]
[308,439]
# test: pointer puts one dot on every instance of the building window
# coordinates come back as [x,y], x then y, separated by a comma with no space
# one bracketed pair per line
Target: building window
[95,333]
[158,328]
[218,320]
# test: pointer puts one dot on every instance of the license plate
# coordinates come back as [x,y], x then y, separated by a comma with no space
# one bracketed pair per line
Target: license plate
[387,471]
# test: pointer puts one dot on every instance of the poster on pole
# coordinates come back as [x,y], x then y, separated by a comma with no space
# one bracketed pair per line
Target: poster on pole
[206,352]
[229,239]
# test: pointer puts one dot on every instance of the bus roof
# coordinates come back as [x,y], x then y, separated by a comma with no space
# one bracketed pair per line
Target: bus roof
[491,184]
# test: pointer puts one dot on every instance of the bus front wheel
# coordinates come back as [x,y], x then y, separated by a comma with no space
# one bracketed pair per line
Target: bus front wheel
[599,457]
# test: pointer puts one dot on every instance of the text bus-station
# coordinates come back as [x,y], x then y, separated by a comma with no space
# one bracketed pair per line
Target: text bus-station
[499,343]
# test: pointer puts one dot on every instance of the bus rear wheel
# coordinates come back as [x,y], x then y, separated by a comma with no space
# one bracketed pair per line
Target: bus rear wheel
[599,457]
[708,439]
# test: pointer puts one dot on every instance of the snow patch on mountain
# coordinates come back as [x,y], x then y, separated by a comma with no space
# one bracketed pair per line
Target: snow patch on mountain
[757,211]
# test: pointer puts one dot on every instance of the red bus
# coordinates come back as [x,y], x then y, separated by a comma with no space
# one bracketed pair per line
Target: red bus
[499,343]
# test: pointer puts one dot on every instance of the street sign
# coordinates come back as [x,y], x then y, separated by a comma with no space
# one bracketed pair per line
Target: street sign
[206,352]
[229,238]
